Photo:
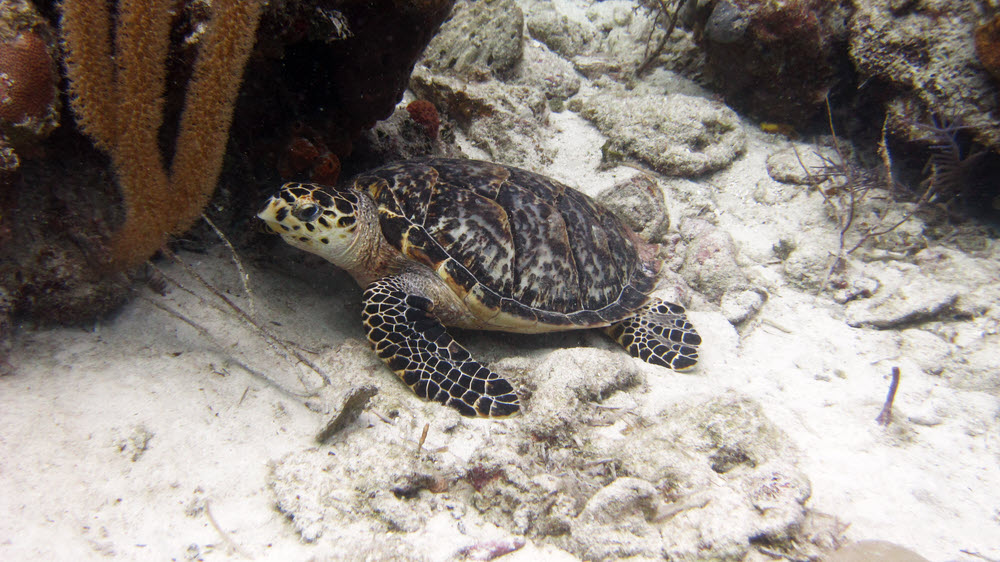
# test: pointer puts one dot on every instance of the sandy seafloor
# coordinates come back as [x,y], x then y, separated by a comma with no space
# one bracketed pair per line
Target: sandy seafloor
[139,438]
[120,439]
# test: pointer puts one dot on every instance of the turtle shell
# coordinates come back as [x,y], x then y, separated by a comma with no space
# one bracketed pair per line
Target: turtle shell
[523,251]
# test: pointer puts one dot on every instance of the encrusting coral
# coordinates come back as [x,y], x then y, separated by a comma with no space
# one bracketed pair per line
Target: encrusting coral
[988,46]
[29,81]
[424,113]
[27,84]
[118,97]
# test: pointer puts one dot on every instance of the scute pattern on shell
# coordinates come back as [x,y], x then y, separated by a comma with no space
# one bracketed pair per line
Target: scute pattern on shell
[514,241]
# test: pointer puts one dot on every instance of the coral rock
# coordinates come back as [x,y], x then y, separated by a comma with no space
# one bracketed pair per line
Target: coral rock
[929,62]
[676,134]
[480,36]
[638,201]
[710,262]
[614,522]
[775,60]
[558,32]
[504,120]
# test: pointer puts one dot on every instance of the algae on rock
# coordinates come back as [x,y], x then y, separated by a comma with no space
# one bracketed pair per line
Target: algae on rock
[483,35]
[927,55]
[676,134]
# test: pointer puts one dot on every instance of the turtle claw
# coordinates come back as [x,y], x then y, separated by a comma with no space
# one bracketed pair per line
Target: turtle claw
[414,344]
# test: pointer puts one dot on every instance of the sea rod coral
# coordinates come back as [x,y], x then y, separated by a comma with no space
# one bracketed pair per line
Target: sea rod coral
[117,89]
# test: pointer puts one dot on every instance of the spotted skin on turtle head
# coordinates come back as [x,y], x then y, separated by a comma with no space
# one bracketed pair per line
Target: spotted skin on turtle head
[311,217]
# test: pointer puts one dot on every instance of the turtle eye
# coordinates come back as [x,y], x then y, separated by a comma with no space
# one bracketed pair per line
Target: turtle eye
[307,213]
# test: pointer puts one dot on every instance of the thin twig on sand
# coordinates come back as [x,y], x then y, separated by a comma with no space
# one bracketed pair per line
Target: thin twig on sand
[885,416]
[261,330]
[223,534]
[244,277]
[423,437]
[977,555]
[203,332]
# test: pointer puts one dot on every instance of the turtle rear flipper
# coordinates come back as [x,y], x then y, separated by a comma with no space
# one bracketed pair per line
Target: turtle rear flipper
[659,333]
[414,344]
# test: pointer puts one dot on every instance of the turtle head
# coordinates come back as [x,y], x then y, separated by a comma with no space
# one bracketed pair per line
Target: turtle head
[321,220]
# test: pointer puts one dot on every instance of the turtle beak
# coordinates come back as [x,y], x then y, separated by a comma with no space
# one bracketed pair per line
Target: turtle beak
[267,216]
[260,225]
[268,210]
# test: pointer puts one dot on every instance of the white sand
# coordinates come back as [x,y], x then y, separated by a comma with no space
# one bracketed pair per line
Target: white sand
[138,438]
[79,481]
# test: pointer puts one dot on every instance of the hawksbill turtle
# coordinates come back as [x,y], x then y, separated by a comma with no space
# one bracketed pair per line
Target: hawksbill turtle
[448,242]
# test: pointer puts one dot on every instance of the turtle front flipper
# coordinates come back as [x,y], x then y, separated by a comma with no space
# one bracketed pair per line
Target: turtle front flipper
[414,344]
[659,333]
